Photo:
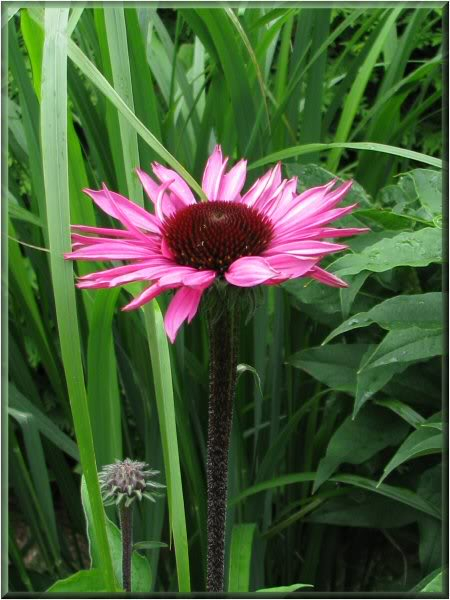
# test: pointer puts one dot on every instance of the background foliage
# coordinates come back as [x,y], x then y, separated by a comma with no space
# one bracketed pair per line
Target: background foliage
[335,477]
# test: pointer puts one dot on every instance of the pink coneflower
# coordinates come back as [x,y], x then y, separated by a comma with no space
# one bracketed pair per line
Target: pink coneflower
[265,236]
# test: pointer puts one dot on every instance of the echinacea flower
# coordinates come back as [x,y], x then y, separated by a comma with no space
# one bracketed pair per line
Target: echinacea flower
[265,236]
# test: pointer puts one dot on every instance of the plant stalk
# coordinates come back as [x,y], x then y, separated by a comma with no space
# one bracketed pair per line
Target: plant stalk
[223,336]
[126,526]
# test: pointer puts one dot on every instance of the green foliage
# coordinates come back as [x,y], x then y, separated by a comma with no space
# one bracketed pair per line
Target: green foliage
[345,385]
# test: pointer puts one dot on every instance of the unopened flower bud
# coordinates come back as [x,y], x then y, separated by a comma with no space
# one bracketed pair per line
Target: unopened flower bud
[126,480]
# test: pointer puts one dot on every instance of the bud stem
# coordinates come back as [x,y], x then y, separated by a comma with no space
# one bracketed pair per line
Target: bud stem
[223,335]
[126,526]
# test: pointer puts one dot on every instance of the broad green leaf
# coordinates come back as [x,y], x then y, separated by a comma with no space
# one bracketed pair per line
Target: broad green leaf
[404,411]
[83,582]
[414,249]
[335,365]
[430,530]
[421,442]
[357,440]
[240,557]
[283,589]
[370,381]
[141,577]
[400,312]
[406,345]
[363,509]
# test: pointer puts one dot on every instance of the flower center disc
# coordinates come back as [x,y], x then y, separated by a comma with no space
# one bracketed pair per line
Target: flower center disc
[212,235]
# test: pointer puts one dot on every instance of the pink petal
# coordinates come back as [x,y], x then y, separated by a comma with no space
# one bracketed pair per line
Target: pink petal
[201,279]
[150,186]
[292,228]
[233,182]
[178,186]
[183,306]
[291,266]
[161,196]
[266,185]
[308,201]
[110,201]
[249,271]
[109,274]
[326,277]
[147,295]
[110,251]
[213,174]
[305,248]
[333,232]
[103,231]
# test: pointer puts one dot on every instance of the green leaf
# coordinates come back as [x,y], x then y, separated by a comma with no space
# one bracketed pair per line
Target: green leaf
[363,509]
[435,586]
[87,582]
[399,494]
[240,557]
[18,402]
[149,545]
[421,442]
[103,396]
[355,94]
[404,411]
[55,169]
[400,312]
[335,365]
[372,146]
[406,345]
[283,589]
[141,577]
[357,440]
[413,249]
[162,374]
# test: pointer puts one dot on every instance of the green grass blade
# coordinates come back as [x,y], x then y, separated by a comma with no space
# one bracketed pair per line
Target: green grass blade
[120,64]
[91,71]
[159,351]
[402,495]
[355,94]
[104,403]
[240,557]
[372,146]
[55,169]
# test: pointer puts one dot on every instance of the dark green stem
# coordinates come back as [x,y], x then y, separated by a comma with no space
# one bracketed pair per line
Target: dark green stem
[223,337]
[126,526]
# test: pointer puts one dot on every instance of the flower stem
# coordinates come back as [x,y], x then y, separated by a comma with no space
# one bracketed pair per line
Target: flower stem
[126,526]
[223,335]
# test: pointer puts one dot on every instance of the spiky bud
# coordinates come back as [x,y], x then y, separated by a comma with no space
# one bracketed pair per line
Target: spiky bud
[126,480]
